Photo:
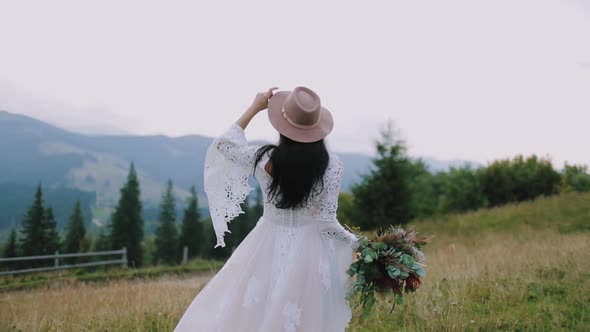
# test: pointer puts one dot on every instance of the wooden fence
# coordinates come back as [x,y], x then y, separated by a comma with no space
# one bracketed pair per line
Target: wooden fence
[57,256]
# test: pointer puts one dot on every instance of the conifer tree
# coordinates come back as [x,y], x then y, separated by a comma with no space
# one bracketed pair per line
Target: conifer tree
[51,236]
[11,249]
[166,233]
[383,196]
[33,231]
[192,230]
[76,231]
[127,221]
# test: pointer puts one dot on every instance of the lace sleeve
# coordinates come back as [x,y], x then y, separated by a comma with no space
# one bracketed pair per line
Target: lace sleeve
[331,227]
[228,163]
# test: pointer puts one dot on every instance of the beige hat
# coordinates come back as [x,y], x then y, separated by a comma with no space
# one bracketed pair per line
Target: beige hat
[299,115]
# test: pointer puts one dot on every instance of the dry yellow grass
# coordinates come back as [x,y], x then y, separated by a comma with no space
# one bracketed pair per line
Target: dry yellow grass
[523,267]
[122,305]
[485,287]
[533,280]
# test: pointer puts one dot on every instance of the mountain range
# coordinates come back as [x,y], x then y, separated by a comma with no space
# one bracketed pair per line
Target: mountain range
[94,167]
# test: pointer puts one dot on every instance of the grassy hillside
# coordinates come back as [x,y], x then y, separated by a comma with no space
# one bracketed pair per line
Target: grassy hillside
[523,267]
[103,274]
[565,213]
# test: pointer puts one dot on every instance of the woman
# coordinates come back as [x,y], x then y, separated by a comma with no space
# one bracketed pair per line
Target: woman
[288,274]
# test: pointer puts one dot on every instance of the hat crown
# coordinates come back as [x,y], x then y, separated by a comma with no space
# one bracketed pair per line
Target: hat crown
[299,115]
[302,107]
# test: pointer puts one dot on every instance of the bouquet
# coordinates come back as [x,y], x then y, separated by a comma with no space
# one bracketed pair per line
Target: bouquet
[391,262]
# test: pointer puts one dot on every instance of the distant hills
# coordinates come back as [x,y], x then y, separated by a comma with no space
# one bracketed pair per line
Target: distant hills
[94,167]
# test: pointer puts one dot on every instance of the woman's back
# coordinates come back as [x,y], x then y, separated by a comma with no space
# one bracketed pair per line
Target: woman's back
[320,206]
[231,160]
[289,273]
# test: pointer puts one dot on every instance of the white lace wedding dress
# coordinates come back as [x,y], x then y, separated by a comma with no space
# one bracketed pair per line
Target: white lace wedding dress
[288,274]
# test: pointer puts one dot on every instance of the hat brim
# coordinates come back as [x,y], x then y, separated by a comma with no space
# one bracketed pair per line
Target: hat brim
[275,106]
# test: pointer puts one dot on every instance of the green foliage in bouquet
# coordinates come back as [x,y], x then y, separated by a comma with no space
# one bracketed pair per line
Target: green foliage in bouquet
[391,262]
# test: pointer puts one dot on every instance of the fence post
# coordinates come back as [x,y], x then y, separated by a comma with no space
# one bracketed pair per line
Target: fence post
[184,255]
[56,260]
[124,257]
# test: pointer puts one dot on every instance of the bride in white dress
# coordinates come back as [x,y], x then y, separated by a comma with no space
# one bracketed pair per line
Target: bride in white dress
[288,274]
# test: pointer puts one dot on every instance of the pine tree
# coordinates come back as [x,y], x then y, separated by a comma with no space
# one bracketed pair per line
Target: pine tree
[76,231]
[11,249]
[51,237]
[383,196]
[33,232]
[127,222]
[192,229]
[166,233]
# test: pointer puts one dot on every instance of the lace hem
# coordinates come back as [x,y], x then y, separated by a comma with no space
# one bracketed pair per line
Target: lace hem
[334,230]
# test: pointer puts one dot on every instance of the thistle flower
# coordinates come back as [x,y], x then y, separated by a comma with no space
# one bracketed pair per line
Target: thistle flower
[390,238]
[418,255]
[412,283]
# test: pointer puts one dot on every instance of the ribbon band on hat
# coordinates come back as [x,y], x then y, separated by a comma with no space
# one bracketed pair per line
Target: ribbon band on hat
[296,125]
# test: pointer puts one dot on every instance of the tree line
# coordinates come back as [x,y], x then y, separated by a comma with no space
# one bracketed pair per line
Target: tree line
[398,188]
[39,236]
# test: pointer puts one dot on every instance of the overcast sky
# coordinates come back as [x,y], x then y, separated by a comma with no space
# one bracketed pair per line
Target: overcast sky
[477,80]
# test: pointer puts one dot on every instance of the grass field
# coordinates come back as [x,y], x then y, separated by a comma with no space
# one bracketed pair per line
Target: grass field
[103,274]
[523,267]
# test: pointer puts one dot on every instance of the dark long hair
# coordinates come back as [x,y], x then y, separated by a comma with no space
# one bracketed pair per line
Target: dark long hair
[297,171]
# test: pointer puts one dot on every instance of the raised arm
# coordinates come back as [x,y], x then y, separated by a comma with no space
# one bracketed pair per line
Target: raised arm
[232,143]
[228,163]
[260,103]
